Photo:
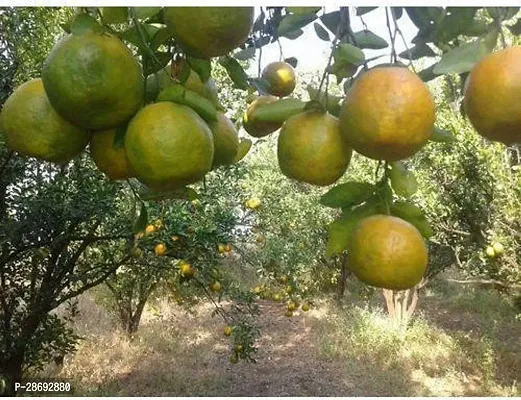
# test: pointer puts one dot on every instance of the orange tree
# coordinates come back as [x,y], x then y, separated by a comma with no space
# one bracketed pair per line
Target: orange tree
[96,78]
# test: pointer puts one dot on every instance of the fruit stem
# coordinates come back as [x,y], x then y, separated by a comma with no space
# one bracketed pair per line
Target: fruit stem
[392,36]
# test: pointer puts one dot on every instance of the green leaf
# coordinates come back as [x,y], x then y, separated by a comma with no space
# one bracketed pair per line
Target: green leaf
[292,61]
[160,61]
[244,148]
[119,137]
[303,10]
[340,231]
[141,221]
[403,181]
[315,106]
[420,222]
[321,32]
[404,210]
[293,22]
[245,54]
[349,54]
[455,22]
[477,28]
[84,23]
[331,102]
[417,51]
[114,15]
[364,10]
[294,34]
[368,40]
[397,11]
[347,195]
[278,111]
[177,93]
[516,28]
[331,21]
[235,72]
[428,74]
[184,193]
[160,38]
[425,17]
[502,13]
[462,58]
[202,67]
[146,12]
[442,136]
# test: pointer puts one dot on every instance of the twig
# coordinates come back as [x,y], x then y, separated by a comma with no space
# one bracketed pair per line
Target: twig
[399,31]
[391,36]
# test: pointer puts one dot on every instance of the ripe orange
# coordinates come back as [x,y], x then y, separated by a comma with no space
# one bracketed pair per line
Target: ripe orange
[387,252]
[187,270]
[206,32]
[150,229]
[93,80]
[109,160]
[280,77]
[311,149]
[226,140]
[168,145]
[33,128]
[160,249]
[256,128]
[493,96]
[227,330]
[388,114]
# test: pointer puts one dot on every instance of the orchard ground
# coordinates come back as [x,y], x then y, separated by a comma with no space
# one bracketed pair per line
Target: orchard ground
[463,342]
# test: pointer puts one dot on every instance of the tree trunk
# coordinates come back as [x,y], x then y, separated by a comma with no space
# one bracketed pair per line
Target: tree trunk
[402,304]
[12,369]
[344,274]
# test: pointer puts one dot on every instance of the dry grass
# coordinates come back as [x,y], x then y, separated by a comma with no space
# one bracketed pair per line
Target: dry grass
[452,349]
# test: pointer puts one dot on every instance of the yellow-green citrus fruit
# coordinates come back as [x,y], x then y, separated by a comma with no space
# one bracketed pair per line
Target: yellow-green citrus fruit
[114,15]
[280,77]
[215,287]
[288,313]
[227,330]
[388,114]
[33,128]
[206,32]
[109,160]
[168,145]
[305,307]
[489,251]
[493,96]
[226,140]
[256,128]
[311,149]
[498,248]
[93,81]
[387,252]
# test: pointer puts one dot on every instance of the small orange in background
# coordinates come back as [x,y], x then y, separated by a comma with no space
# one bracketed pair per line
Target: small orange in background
[221,248]
[280,77]
[150,229]
[215,287]
[227,330]
[160,249]
[228,248]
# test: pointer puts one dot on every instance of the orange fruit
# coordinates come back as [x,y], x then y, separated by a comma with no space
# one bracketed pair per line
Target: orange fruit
[493,96]
[311,149]
[387,252]
[206,32]
[109,160]
[226,140]
[160,249]
[168,146]
[256,128]
[33,128]
[280,77]
[93,80]
[215,287]
[227,330]
[388,114]
[150,229]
